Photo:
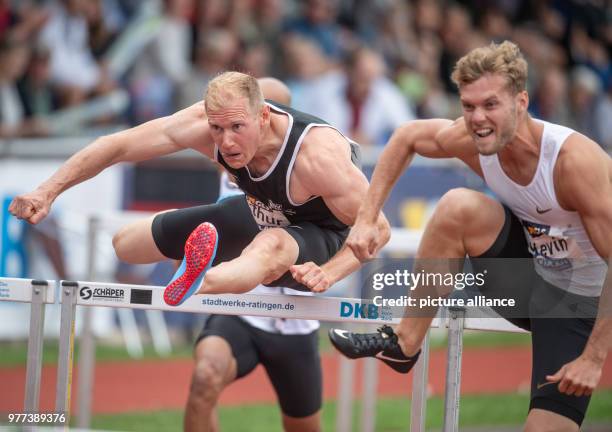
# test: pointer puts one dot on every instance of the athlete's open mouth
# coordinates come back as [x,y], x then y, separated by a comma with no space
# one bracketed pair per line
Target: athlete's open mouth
[484,132]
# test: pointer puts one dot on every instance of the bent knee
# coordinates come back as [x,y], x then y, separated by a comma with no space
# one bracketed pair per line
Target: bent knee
[121,244]
[460,203]
[461,208]
[134,243]
[275,246]
[208,379]
[271,241]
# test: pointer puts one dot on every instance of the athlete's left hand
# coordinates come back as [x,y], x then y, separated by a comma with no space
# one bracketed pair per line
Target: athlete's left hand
[311,275]
[578,377]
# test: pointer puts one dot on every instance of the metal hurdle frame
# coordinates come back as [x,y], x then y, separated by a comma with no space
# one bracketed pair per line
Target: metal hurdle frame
[321,308]
[38,293]
[81,293]
[84,293]
[403,241]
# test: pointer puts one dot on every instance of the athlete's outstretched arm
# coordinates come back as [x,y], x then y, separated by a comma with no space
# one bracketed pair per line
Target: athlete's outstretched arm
[152,139]
[327,170]
[187,128]
[416,137]
[431,138]
[584,185]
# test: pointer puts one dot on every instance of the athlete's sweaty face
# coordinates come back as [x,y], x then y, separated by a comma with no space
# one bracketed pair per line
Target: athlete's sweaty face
[236,131]
[491,112]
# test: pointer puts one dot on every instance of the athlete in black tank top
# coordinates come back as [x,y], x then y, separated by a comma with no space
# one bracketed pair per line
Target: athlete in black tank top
[268,195]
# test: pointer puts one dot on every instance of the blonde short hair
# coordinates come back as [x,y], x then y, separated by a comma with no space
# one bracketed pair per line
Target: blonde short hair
[229,86]
[505,59]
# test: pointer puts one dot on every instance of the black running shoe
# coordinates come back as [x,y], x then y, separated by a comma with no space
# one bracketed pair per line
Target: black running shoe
[381,345]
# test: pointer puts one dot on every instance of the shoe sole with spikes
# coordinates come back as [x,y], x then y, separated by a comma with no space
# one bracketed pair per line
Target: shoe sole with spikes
[200,251]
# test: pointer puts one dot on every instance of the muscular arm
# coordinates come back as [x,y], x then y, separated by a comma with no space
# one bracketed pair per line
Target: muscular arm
[187,128]
[584,185]
[184,129]
[150,140]
[430,138]
[325,168]
[435,138]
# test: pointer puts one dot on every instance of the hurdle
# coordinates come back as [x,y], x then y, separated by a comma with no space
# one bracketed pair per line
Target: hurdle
[82,293]
[403,241]
[38,293]
[458,321]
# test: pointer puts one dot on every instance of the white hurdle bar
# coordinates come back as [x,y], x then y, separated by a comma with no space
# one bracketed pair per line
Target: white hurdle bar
[84,293]
[37,293]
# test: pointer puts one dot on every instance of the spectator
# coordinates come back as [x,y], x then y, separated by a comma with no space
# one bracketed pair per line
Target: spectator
[585,87]
[14,56]
[73,68]
[216,52]
[21,20]
[103,26]
[305,64]
[35,89]
[603,114]
[551,101]
[318,23]
[164,65]
[257,59]
[361,101]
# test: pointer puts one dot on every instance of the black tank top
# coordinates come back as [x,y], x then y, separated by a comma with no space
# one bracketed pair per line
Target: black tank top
[268,195]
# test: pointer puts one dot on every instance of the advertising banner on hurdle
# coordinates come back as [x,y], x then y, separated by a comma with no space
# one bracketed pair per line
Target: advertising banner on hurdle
[270,305]
[20,290]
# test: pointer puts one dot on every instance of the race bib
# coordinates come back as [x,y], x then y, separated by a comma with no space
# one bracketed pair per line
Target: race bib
[550,247]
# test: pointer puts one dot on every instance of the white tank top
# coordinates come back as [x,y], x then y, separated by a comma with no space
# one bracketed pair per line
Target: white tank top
[564,255]
[271,325]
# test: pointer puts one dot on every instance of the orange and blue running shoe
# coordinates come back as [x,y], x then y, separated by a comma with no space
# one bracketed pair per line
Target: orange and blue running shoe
[200,251]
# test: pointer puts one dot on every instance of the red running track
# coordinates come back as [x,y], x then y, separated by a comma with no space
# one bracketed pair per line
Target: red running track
[155,385]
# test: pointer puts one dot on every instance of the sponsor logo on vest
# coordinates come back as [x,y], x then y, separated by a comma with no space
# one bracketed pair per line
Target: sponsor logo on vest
[106,294]
[267,215]
[540,211]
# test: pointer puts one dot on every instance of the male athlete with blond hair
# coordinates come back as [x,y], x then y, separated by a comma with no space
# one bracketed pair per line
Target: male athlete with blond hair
[303,187]
[301,177]
[554,210]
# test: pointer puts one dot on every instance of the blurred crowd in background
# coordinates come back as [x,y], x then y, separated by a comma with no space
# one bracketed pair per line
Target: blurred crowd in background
[364,66]
[86,67]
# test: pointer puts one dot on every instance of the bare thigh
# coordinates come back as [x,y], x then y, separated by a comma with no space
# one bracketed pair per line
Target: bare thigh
[134,242]
[465,222]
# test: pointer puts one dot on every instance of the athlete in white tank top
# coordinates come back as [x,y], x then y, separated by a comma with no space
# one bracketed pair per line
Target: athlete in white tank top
[557,182]
[564,255]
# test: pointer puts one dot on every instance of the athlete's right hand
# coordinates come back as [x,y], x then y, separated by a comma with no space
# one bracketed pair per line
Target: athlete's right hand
[364,240]
[32,207]
[311,276]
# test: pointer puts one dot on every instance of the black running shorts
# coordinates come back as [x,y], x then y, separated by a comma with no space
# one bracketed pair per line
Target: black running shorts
[555,341]
[236,227]
[292,362]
